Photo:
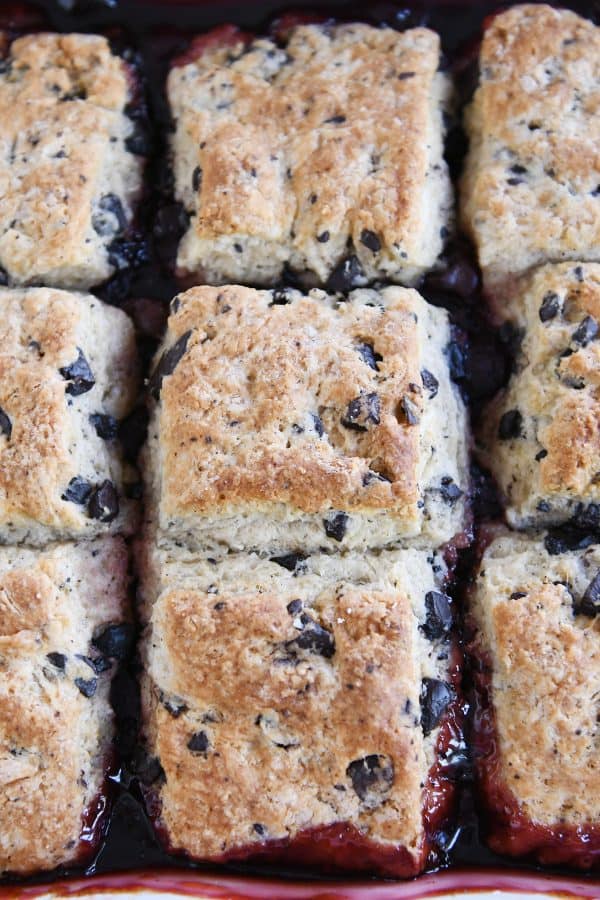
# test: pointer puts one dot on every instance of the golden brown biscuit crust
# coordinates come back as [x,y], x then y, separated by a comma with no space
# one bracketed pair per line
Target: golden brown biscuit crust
[55,719]
[67,180]
[529,192]
[281,401]
[287,155]
[47,437]
[545,658]
[541,436]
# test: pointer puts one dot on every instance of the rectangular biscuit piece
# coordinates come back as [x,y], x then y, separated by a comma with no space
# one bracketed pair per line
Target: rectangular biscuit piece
[529,193]
[69,173]
[541,435]
[325,155]
[536,728]
[286,421]
[56,725]
[331,713]
[68,373]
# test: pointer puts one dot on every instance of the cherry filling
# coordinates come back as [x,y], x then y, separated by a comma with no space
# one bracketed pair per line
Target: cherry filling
[222,36]
[510,831]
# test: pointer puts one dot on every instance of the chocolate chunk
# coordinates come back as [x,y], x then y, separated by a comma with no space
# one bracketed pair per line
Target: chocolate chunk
[335,120]
[346,275]
[5,424]
[98,664]
[335,525]
[586,331]
[167,364]
[289,561]
[199,743]
[86,686]
[104,502]
[439,615]
[430,383]
[370,240]
[79,375]
[294,607]
[372,777]
[105,426]
[259,829]
[115,641]
[511,425]
[58,660]
[542,454]
[78,491]
[318,424]
[110,217]
[323,237]
[362,411]
[517,595]
[550,306]
[456,361]
[368,354]
[410,411]
[196,179]
[313,638]
[590,602]
[449,490]
[435,697]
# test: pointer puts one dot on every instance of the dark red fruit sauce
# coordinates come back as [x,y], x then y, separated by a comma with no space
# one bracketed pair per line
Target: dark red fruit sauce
[159,32]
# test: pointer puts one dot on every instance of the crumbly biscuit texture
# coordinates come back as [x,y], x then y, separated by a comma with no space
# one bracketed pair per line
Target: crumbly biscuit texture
[303,156]
[68,373]
[538,630]
[530,189]
[55,719]
[315,717]
[541,435]
[68,181]
[290,421]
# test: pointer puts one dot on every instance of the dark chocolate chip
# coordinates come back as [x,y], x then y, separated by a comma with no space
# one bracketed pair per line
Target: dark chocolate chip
[167,364]
[590,602]
[439,615]
[410,411]
[104,502]
[449,490]
[289,561]
[294,607]
[105,426]
[456,361]
[79,375]
[516,595]
[335,120]
[370,240]
[346,275]
[78,491]
[174,709]
[335,525]
[543,506]
[115,641]
[110,217]
[541,455]
[511,425]
[550,306]
[323,237]
[259,829]
[430,383]
[58,660]
[313,638]
[196,178]
[86,686]
[586,331]
[435,697]
[199,743]
[369,355]
[5,424]
[362,411]
[372,776]
[318,424]
[98,664]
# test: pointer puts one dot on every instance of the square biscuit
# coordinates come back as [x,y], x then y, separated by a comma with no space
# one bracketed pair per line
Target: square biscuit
[325,156]
[68,373]
[286,421]
[541,435]
[530,192]
[333,712]
[62,610]
[69,169]
[536,726]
